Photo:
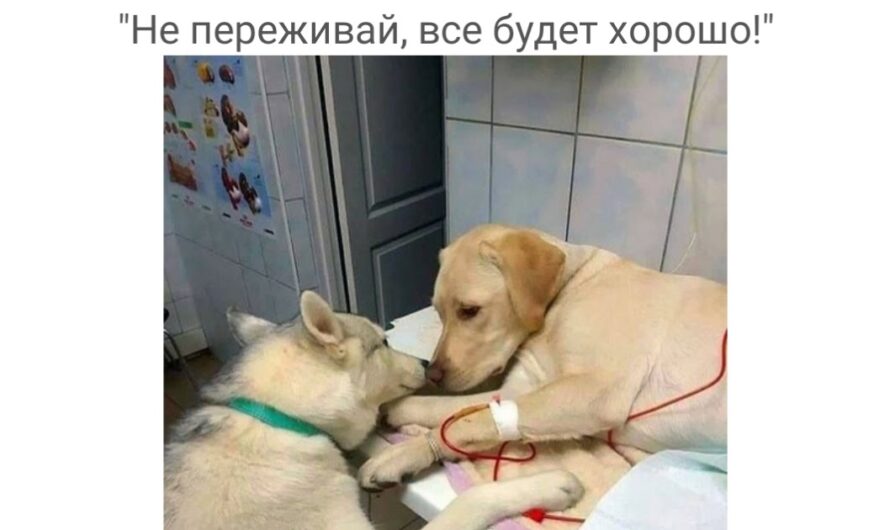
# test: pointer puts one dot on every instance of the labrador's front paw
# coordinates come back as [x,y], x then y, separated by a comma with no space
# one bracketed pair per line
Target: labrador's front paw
[395,464]
[414,430]
[409,411]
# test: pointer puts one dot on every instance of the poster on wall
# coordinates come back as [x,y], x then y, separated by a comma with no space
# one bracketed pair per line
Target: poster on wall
[227,150]
[183,180]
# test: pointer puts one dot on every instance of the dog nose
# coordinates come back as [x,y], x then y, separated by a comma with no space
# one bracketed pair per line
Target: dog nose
[424,363]
[435,373]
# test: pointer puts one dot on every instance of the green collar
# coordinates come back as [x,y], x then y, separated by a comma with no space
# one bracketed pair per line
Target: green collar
[274,417]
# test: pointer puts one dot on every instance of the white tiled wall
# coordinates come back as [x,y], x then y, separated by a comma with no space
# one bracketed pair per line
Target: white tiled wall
[622,196]
[626,153]
[471,170]
[183,322]
[225,265]
[642,98]
[518,193]
[519,100]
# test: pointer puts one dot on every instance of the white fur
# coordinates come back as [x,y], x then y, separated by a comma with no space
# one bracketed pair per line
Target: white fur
[227,470]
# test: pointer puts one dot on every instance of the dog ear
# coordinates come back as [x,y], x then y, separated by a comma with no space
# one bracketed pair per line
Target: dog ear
[531,268]
[320,321]
[247,328]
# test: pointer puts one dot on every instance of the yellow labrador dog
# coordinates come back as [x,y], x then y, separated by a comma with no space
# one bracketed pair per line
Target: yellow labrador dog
[265,451]
[592,338]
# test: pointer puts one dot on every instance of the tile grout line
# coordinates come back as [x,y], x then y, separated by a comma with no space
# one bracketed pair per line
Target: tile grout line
[491,142]
[263,254]
[270,134]
[215,253]
[590,135]
[445,149]
[670,222]
[305,211]
[574,150]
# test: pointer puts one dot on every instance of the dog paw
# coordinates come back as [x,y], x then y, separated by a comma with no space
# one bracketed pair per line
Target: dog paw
[414,430]
[395,464]
[557,490]
[408,411]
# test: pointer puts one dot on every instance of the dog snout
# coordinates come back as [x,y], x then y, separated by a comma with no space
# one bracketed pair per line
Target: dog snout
[424,363]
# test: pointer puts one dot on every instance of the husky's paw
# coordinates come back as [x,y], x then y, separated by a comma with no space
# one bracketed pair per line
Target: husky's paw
[409,411]
[395,464]
[554,490]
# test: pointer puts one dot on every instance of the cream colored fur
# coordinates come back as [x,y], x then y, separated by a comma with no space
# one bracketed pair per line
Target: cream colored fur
[227,470]
[589,338]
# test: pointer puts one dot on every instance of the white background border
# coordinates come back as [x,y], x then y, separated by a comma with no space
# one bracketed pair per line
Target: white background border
[808,218]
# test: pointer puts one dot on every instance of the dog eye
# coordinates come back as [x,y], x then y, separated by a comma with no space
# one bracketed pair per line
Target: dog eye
[466,312]
[386,342]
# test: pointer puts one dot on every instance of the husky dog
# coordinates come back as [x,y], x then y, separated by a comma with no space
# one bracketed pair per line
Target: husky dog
[265,452]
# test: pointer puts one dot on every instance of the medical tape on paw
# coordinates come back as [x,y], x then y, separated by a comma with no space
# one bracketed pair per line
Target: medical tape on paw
[505,414]
[434,447]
